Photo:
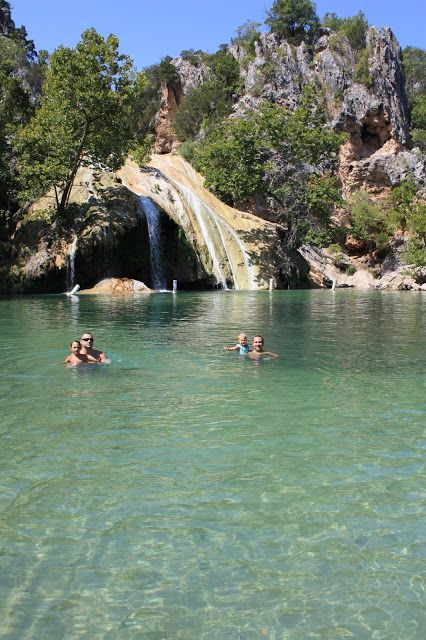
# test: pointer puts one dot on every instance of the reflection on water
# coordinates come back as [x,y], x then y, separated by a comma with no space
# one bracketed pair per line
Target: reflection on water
[183,492]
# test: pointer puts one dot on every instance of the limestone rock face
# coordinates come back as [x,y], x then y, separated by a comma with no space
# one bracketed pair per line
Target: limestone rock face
[190,75]
[235,248]
[43,249]
[164,138]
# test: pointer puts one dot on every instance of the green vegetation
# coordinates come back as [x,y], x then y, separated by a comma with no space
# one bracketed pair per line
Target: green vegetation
[354,28]
[149,99]
[408,212]
[20,75]
[370,222]
[246,36]
[292,20]
[361,70]
[85,116]
[212,100]
[415,75]
[279,155]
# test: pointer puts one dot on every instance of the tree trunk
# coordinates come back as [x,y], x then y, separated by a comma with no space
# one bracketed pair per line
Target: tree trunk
[70,180]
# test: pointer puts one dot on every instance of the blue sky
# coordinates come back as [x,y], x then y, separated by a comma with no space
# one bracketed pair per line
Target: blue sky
[150,30]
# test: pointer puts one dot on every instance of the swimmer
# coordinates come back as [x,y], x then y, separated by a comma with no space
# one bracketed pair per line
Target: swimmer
[242,345]
[258,351]
[76,357]
[93,355]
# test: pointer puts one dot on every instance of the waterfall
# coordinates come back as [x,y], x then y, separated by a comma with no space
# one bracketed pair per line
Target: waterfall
[200,209]
[71,264]
[206,218]
[152,216]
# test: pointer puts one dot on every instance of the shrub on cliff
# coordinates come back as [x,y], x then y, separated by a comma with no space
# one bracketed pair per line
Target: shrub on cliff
[415,83]
[370,222]
[292,20]
[354,28]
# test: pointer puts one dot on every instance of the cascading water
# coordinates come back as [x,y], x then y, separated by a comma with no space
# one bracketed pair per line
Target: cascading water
[203,216]
[206,218]
[71,264]
[152,216]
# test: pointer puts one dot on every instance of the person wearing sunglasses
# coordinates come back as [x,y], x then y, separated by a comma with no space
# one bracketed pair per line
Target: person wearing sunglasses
[93,355]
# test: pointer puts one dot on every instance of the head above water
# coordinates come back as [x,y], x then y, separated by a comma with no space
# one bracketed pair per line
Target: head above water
[75,345]
[87,338]
[258,343]
[242,338]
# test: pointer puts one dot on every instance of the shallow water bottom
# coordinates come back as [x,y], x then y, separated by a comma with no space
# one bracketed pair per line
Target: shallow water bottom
[183,492]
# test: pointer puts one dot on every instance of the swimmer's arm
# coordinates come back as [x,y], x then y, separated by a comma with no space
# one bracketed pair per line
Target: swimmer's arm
[230,348]
[103,357]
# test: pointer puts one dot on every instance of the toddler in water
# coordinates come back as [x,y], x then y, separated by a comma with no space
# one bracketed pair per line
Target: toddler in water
[75,356]
[242,345]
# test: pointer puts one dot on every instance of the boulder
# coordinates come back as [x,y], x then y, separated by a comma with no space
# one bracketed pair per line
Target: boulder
[117,286]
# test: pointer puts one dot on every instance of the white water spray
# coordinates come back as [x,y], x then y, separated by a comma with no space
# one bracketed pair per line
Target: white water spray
[71,263]
[206,215]
[152,216]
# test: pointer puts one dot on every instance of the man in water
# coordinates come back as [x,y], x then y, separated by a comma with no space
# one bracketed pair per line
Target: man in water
[258,351]
[93,355]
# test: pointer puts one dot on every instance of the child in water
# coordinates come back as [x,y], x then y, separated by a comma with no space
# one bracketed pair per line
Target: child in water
[75,356]
[242,345]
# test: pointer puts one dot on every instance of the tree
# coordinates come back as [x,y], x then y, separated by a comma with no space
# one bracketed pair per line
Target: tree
[211,100]
[415,70]
[284,157]
[247,35]
[85,117]
[370,222]
[354,28]
[292,20]
[415,84]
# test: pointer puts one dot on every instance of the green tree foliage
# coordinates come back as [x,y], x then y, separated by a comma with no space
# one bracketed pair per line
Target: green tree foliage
[212,100]
[246,36]
[362,68]
[292,20]
[415,83]
[415,70]
[20,79]
[370,222]
[400,202]
[408,212]
[418,120]
[280,155]
[85,116]
[354,28]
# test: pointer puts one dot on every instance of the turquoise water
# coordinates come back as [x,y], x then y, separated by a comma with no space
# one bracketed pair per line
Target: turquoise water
[186,493]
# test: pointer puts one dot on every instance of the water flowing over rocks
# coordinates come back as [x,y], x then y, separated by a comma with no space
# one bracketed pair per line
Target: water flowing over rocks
[236,248]
[206,241]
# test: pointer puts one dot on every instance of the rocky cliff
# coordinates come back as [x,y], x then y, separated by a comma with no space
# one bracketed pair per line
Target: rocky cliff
[209,244]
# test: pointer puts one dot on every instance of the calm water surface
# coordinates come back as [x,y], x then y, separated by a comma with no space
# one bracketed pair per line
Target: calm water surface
[184,493]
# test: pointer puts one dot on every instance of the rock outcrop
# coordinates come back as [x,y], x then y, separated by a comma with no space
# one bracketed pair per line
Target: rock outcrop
[117,286]
[165,141]
[236,249]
